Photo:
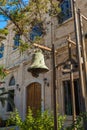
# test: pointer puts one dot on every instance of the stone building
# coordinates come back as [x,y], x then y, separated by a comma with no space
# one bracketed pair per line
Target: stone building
[37,91]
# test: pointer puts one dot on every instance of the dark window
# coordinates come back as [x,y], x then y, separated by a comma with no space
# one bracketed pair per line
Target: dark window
[65,13]
[77,96]
[10,101]
[1,50]
[68,98]
[16,41]
[12,81]
[66,66]
[36,31]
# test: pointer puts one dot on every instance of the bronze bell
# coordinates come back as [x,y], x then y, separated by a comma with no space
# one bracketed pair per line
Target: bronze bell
[38,64]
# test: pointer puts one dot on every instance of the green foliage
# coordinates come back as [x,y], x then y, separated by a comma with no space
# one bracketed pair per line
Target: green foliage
[3,34]
[24,17]
[79,123]
[4,97]
[33,12]
[61,120]
[3,2]
[2,72]
[54,10]
[4,31]
[15,119]
[41,121]
[23,46]
[38,40]
[45,121]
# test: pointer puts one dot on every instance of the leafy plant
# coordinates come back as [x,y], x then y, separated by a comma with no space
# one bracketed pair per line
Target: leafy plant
[41,121]
[79,122]
[23,46]
[4,31]
[2,72]
[4,97]
[45,121]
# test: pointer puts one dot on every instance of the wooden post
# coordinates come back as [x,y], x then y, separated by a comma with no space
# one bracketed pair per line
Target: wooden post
[83,49]
[54,87]
[79,57]
[72,84]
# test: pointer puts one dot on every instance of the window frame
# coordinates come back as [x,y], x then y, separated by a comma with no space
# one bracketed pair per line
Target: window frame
[16,41]
[1,50]
[64,19]
[36,32]
[70,98]
[9,106]
[77,95]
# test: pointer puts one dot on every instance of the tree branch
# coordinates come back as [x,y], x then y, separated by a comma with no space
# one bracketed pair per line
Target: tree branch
[6,14]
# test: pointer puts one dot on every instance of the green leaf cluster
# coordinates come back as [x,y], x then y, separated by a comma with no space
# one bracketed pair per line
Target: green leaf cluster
[45,121]
[79,122]
[3,33]
[4,97]
[23,46]
[24,17]
[3,2]
[2,72]
[41,121]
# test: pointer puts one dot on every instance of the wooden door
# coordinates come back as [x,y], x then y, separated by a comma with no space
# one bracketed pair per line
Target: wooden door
[34,97]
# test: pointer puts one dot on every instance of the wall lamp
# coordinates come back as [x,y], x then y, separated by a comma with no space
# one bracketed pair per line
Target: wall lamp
[17,87]
[46,82]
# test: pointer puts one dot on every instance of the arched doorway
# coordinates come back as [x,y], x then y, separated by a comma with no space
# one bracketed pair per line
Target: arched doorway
[34,96]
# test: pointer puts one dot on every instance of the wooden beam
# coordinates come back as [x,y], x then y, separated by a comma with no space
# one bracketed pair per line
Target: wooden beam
[72,42]
[42,47]
[66,70]
[84,17]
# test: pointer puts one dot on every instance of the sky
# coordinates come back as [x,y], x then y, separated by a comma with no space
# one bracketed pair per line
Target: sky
[3,22]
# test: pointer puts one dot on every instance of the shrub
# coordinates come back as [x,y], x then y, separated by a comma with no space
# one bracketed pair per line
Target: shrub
[81,120]
[41,121]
